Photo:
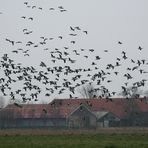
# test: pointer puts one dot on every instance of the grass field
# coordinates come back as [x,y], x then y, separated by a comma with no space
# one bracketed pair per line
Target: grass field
[111,138]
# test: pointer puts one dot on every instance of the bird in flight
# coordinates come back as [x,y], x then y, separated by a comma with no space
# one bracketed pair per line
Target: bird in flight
[25,3]
[51,8]
[140,48]
[86,32]
[23,17]
[71,28]
[30,18]
[119,42]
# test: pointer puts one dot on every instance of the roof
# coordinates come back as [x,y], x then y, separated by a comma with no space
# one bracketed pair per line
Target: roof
[100,114]
[80,107]
[61,108]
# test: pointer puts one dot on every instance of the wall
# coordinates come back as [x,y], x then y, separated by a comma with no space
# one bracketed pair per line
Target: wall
[82,118]
[33,123]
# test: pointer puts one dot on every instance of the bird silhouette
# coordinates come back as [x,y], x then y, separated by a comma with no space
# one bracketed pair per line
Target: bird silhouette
[72,29]
[140,48]
[119,42]
[86,32]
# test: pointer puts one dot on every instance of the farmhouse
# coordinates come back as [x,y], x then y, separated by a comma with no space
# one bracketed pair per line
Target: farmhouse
[77,113]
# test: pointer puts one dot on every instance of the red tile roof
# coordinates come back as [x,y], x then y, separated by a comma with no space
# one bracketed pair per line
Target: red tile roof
[60,108]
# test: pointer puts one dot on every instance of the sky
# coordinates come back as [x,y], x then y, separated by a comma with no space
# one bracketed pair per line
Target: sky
[106,21]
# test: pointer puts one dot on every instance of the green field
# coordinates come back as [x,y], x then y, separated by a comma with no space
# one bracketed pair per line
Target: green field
[74,140]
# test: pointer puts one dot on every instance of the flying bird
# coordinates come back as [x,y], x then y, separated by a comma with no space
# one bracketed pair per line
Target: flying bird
[33,7]
[25,3]
[119,42]
[60,7]
[18,105]
[86,32]
[51,9]
[30,18]
[140,48]
[23,17]
[71,28]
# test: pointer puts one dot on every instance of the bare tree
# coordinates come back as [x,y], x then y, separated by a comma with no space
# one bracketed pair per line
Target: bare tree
[89,91]
[146,93]
[131,92]
[3,102]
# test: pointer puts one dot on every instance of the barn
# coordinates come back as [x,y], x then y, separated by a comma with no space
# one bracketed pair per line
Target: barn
[77,113]
[31,116]
[107,119]
[81,117]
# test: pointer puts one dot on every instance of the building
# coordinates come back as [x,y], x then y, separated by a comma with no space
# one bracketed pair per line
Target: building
[81,117]
[77,113]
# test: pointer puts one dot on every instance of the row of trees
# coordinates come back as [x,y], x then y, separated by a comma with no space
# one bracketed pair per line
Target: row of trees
[89,91]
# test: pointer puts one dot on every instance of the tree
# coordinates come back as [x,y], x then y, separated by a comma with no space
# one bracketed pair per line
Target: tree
[146,93]
[3,102]
[131,92]
[89,91]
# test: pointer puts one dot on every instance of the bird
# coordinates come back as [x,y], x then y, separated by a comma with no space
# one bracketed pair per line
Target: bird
[98,58]
[119,42]
[18,42]
[26,3]
[42,64]
[72,34]
[60,37]
[18,105]
[10,41]
[60,7]
[25,29]
[86,32]
[71,28]
[30,18]
[44,110]
[33,7]
[40,8]
[92,50]
[63,10]
[51,9]
[23,17]
[15,51]
[73,42]
[140,48]
[86,56]
[78,28]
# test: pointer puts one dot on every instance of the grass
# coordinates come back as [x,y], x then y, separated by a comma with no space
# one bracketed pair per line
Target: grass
[74,139]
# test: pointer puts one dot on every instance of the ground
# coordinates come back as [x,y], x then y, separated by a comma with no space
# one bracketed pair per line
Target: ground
[100,138]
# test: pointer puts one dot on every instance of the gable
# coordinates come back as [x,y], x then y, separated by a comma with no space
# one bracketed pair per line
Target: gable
[82,110]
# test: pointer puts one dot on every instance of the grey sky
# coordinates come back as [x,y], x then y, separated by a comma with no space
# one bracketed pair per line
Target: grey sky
[107,22]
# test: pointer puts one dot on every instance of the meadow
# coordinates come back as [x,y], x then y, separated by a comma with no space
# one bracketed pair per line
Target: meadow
[43,138]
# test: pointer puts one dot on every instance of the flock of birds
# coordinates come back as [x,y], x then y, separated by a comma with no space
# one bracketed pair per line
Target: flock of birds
[59,74]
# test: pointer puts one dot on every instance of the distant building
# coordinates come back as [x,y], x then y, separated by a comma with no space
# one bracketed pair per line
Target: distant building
[81,117]
[77,113]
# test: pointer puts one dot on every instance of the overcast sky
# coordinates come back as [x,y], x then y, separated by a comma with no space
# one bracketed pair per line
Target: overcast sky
[107,22]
